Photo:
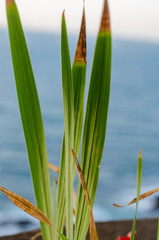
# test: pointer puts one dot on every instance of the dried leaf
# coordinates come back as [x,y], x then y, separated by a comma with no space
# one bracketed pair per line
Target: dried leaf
[36,236]
[142,196]
[93,230]
[29,208]
[55,179]
[80,55]
[54,168]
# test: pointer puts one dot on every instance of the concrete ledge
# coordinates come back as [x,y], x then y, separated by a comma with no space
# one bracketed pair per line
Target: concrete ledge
[146,230]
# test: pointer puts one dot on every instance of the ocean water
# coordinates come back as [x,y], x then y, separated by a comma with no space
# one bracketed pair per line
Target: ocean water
[133,124]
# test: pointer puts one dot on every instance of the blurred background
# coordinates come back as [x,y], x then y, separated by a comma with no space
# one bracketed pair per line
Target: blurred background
[133,121]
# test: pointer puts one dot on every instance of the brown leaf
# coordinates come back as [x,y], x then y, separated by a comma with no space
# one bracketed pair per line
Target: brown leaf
[55,179]
[80,55]
[142,196]
[54,168]
[36,236]
[27,206]
[105,21]
[93,230]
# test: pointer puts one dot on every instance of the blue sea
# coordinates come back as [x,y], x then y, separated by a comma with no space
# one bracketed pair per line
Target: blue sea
[133,124]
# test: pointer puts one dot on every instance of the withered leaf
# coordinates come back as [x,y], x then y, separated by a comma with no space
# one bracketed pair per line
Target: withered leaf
[142,196]
[54,168]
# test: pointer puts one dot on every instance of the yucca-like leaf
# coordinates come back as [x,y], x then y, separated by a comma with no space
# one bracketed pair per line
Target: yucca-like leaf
[79,78]
[29,208]
[30,115]
[68,107]
[139,178]
[95,123]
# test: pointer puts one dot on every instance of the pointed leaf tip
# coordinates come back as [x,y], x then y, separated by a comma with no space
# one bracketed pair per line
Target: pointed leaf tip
[63,13]
[80,55]
[140,155]
[105,21]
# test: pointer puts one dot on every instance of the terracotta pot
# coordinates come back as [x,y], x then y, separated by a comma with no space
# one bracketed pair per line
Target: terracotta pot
[146,230]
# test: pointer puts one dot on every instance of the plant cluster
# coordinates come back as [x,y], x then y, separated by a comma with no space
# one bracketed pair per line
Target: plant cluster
[59,215]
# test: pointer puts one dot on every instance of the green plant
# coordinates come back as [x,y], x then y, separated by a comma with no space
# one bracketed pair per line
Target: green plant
[73,85]
[52,218]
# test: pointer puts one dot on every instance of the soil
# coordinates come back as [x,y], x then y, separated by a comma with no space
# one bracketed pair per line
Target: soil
[146,230]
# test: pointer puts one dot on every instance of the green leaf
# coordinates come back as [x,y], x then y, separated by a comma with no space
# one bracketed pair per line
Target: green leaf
[158,230]
[61,190]
[30,115]
[95,123]
[79,79]
[139,178]
[68,107]
[54,207]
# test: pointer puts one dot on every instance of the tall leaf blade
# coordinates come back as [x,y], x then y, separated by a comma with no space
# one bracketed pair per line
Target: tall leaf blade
[54,208]
[139,178]
[68,107]
[95,123]
[30,115]
[61,190]
[79,79]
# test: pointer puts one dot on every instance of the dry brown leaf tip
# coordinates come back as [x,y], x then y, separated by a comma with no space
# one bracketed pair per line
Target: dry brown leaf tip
[105,21]
[9,2]
[140,155]
[80,55]
[63,13]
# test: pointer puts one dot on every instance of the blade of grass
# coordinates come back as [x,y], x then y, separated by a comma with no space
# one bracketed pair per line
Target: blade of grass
[139,178]
[158,230]
[79,79]
[95,123]
[93,230]
[68,107]
[54,207]
[61,190]
[141,197]
[30,115]
[29,208]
